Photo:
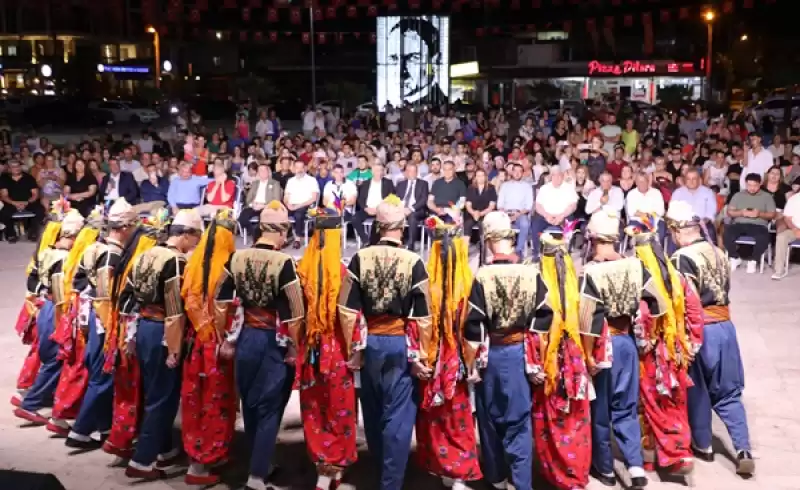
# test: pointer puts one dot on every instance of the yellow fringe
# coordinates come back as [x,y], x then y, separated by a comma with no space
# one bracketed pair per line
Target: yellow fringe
[86,237]
[457,291]
[321,316]
[198,303]
[672,325]
[560,325]
[49,238]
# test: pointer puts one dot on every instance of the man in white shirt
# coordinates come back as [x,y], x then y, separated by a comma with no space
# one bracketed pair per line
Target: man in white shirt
[128,164]
[607,197]
[788,232]
[555,202]
[263,126]
[643,200]
[341,188]
[393,120]
[347,159]
[701,198]
[453,123]
[758,160]
[611,132]
[145,144]
[302,192]
[309,121]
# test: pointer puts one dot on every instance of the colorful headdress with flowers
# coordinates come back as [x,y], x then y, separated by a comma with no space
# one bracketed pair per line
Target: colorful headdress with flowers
[326,218]
[440,229]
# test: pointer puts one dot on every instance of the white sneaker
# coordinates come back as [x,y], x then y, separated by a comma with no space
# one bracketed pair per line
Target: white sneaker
[777,276]
[735,263]
[751,266]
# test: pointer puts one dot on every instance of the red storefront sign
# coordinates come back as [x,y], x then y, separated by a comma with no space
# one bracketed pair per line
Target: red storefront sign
[619,69]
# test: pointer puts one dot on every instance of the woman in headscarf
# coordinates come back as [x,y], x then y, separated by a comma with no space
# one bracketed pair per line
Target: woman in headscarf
[446,445]
[667,345]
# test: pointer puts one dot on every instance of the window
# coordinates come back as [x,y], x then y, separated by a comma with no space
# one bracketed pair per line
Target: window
[216,60]
[11,50]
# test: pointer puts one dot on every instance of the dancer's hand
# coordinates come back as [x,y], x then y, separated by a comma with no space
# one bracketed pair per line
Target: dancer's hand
[291,355]
[591,366]
[172,361]
[227,350]
[474,376]
[419,371]
[130,348]
[355,361]
[536,378]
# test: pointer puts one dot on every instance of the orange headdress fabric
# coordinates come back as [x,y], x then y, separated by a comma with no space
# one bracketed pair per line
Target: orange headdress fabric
[455,290]
[320,272]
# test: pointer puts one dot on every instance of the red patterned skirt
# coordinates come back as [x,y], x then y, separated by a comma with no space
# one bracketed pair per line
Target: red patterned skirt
[328,409]
[208,404]
[26,328]
[127,409]
[664,419]
[72,383]
[446,443]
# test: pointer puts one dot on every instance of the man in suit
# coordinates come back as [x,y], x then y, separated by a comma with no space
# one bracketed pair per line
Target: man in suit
[118,183]
[262,192]
[414,193]
[371,193]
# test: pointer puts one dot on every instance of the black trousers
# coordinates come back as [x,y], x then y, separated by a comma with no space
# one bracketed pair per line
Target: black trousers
[358,224]
[299,215]
[734,231]
[32,225]
[244,220]
[413,231]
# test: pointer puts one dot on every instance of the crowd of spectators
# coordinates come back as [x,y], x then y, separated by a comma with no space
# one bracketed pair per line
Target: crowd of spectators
[740,176]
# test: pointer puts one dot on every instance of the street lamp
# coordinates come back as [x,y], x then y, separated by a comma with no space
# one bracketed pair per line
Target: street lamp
[708,17]
[744,37]
[157,48]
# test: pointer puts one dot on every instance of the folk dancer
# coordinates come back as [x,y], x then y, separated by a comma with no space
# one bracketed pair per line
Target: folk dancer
[119,359]
[667,345]
[93,280]
[384,310]
[71,332]
[152,307]
[26,321]
[612,291]
[327,389]
[446,443]
[562,402]
[260,307]
[717,372]
[506,302]
[208,395]
[45,282]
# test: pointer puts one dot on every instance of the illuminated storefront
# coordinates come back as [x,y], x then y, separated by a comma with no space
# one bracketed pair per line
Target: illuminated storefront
[640,80]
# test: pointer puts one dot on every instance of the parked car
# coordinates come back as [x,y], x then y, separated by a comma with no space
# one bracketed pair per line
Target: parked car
[576,107]
[123,111]
[776,107]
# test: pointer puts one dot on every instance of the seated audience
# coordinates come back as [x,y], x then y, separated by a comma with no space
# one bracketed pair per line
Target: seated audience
[19,194]
[220,192]
[263,190]
[414,193]
[515,198]
[50,180]
[81,189]
[340,190]
[481,200]
[118,183]
[185,190]
[701,198]
[555,202]
[370,194]
[788,228]
[153,191]
[645,200]
[362,173]
[606,196]
[302,193]
[751,210]
[434,172]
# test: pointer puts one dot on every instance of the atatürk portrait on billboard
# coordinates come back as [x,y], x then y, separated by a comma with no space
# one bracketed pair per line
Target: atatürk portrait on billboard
[415,60]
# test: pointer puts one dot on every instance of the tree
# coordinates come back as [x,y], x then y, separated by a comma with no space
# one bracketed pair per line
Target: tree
[256,88]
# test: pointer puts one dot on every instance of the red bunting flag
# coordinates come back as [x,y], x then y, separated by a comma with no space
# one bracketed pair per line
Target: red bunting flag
[330,12]
[357,35]
[436,4]
[321,38]
[392,7]
[273,36]
[318,14]
[372,11]
[536,4]
[683,13]
[229,4]
[609,22]
[246,14]
[414,4]
[194,16]
[352,12]
[665,16]
[748,4]
[628,20]
[727,7]
[616,3]
[255,4]
[557,3]
[514,4]
[258,36]
[199,4]
[272,15]
[567,25]
[647,20]
[242,36]
[296,16]
[373,38]
[480,32]
[306,38]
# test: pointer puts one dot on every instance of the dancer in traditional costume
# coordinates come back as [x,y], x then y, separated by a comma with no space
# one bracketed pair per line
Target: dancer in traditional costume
[46,282]
[120,356]
[446,443]
[260,307]
[152,306]
[612,291]
[507,301]
[717,371]
[208,394]
[561,404]
[384,310]
[93,285]
[327,390]
[26,321]
[667,345]
[71,333]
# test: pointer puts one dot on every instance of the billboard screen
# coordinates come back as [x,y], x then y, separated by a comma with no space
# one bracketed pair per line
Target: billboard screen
[413,60]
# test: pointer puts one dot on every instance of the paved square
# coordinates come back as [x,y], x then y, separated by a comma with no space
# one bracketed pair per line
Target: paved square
[765,312]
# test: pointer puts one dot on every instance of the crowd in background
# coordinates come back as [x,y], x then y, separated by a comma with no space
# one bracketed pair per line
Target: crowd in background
[740,175]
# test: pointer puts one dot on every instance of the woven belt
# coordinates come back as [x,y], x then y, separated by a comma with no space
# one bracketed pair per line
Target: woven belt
[508,337]
[153,312]
[386,325]
[716,314]
[260,318]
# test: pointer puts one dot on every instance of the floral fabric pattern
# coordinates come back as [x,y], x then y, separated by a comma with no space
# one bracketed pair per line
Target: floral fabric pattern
[127,411]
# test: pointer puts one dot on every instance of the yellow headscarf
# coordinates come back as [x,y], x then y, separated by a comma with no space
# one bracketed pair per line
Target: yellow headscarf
[321,303]
[564,322]
[48,239]
[85,238]
[458,285]
[198,301]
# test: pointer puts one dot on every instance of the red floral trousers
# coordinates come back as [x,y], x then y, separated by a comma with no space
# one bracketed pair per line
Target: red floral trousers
[208,404]
[72,383]
[127,411]
[26,328]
